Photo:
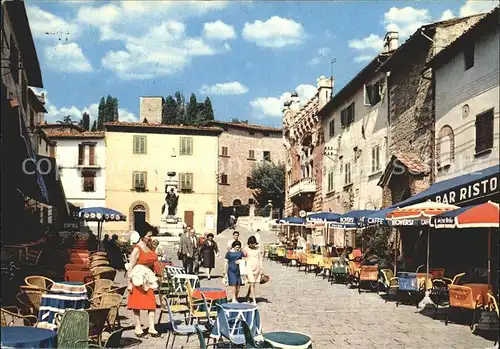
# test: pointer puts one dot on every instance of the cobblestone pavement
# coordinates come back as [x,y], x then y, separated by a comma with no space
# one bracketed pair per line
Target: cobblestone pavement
[334,315]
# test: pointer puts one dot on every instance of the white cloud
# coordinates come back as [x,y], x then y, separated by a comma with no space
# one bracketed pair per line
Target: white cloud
[163,50]
[276,32]
[363,58]
[371,42]
[218,30]
[55,113]
[46,26]
[447,14]
[227,88]
[471,8]
[67,58]
[402,20]
[151,51]
[320,54]
[273,106]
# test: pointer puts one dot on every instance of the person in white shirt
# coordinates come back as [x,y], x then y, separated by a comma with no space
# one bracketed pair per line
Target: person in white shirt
[257,236]
[236,237]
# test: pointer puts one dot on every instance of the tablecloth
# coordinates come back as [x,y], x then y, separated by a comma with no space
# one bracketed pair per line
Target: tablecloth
[236,312]
[288,340]
[27,337]
[214,294]
[62,296]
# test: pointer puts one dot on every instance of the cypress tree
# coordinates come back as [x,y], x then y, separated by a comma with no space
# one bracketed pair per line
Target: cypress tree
[101,116]
[169,115]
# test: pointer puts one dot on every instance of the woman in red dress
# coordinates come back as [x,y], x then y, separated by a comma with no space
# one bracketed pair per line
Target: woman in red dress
[138,299]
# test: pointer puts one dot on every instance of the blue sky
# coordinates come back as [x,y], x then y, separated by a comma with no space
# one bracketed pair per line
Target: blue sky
[245,55]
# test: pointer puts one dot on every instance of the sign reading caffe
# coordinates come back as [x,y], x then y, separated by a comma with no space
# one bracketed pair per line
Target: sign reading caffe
[485,187]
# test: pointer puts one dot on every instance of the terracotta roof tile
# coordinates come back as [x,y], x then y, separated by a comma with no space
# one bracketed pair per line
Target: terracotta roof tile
[172,127]
[412,162]
[54,133]
[244,125]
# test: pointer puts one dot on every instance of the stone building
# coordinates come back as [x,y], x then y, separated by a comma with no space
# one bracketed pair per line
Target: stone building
[241,147]
[355,126]
[467,101]
[150,109]
[303,136]
[411,141]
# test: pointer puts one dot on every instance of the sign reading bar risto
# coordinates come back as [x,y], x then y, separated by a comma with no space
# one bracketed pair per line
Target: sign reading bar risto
[468,192]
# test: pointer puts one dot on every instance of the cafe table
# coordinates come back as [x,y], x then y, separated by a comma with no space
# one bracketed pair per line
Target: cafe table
[235,312]
[27,337]
[213,294]
[287,340]
[61,297]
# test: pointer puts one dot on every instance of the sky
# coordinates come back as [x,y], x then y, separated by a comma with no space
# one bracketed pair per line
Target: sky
[247,56]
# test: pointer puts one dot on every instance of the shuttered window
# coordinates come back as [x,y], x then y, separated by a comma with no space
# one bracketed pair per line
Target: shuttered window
[186,146]
[81,152]
[140,145]
[223,178]
[224,151]
[331,126]
[347,173]
[375,159]
[484,131]
[92,155]
[251,154]
[139,181]
[186,182]
[347,115]
[330,181]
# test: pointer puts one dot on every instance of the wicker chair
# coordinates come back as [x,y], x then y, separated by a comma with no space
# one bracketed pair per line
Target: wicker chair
[97,322]
[113,341]
[30,297]
[10,316]
[74,330]
[104,273]
[111,301]
[98,286]
[99,263]
[39,281]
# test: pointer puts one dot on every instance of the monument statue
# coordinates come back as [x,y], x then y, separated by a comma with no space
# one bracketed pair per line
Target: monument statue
[172,200]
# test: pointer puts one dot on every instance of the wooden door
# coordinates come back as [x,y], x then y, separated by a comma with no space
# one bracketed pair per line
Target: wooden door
[189,218]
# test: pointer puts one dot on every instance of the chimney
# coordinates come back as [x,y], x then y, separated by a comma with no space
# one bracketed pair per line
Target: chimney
[325,89]
[150,109]
[391,41]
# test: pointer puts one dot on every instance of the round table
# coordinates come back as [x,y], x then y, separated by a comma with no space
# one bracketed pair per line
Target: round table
[27,337]
[235,312]
[214,294]
[288,340]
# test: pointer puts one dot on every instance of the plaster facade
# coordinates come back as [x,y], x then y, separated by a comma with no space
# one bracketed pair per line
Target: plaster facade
[461,96]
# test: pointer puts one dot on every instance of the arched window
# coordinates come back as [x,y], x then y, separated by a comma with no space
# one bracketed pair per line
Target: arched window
[445,147]
[237,202]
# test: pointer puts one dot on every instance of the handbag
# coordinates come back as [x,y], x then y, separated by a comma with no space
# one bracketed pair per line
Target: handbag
[264,279]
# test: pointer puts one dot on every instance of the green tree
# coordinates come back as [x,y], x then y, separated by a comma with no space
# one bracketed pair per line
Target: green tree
[180,103]
[85,122]
[208,112]
[109,109]
[66,121]
[169,114]
[101,114]
[238,121]
[114,109]
[268,182]
[94,126]
[192,111]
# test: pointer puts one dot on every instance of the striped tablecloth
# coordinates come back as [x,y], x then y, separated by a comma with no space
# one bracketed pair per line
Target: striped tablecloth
[62,296]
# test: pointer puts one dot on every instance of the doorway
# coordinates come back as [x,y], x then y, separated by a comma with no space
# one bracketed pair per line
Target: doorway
[139,218]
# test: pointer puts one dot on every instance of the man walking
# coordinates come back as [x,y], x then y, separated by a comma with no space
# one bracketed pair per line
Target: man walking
[190,250]
[236,237]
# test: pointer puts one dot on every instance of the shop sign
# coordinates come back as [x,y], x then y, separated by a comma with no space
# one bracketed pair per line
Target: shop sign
[375,220]
[409,222]
[443,220]
[468,192]
[347,220]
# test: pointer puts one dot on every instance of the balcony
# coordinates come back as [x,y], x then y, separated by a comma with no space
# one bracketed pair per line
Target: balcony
[87,164]
[304,186]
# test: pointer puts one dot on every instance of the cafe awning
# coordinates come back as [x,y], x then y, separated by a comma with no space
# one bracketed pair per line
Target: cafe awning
[57,197]
[478,185]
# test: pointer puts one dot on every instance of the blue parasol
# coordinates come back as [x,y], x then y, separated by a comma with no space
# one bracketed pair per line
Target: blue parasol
[324,216]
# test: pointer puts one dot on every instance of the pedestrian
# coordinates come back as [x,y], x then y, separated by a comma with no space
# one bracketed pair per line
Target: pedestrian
[208,252]
[236,237]
[190,251]
[182,243]
[139,299]
[255,266]
[232,270]
[257,236]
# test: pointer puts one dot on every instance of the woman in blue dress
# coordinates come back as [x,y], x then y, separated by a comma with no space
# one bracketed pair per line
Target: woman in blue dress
[232,260]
